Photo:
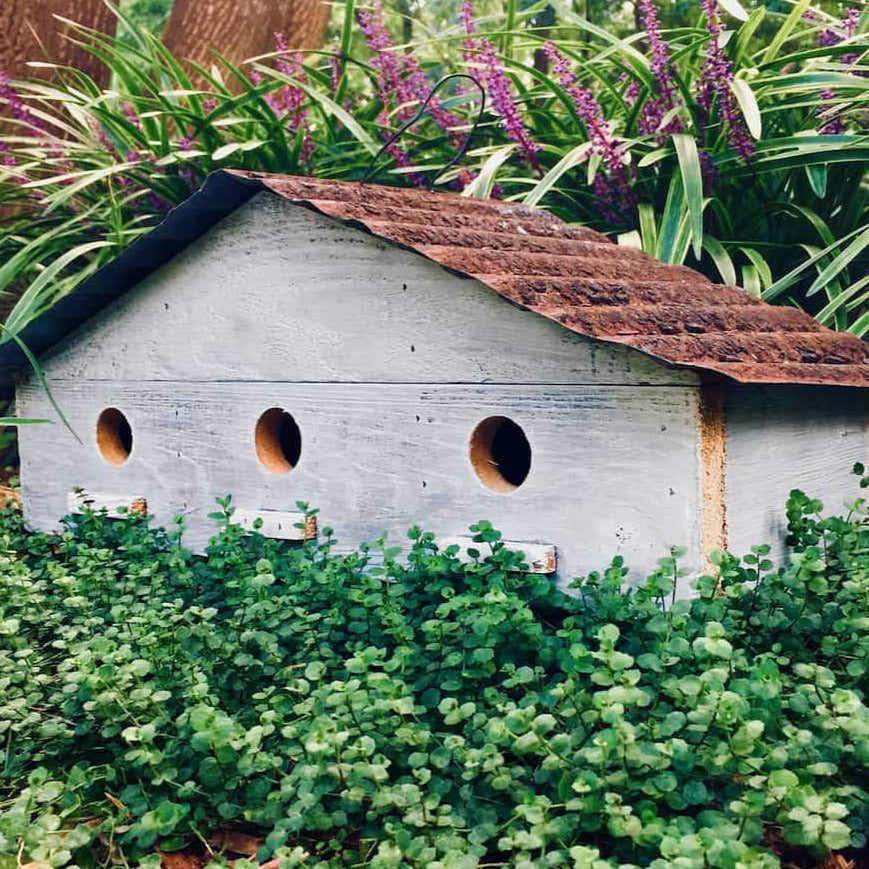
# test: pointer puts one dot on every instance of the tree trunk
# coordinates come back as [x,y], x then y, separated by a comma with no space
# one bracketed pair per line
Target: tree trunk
[240,29]
[303,22]
[30,32]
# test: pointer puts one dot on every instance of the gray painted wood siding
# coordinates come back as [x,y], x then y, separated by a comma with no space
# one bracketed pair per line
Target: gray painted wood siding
[614,469]
[279,293]
[781,438]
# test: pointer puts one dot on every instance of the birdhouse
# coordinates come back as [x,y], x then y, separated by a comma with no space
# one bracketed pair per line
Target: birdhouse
[398,357]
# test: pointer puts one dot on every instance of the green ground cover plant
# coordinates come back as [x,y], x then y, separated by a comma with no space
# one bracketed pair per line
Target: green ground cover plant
[378,710]
[735,142]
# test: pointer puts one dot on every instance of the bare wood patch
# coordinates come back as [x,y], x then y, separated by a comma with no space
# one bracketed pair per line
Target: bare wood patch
[713,460]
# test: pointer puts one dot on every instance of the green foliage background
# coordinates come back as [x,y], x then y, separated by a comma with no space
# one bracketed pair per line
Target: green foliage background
[152,14]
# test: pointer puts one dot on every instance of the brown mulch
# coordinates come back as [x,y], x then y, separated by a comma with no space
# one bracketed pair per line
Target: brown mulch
[793,857]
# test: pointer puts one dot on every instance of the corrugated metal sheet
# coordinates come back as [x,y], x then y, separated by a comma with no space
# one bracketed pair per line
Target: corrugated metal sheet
[567,273]
[578,278]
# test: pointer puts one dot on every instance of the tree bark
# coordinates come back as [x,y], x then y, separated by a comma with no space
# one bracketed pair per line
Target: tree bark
[31,33]
[303,22]
[240,29]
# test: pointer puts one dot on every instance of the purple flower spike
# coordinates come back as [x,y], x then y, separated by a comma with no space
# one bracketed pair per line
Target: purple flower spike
[612,183]
[715,78]
[834,125]
[401,83]
[655,109]
[480,54]
[290,102]
[466,14]
[17,107]
[632,91]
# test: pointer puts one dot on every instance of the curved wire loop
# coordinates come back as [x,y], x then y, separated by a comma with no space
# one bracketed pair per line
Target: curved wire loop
[373,168]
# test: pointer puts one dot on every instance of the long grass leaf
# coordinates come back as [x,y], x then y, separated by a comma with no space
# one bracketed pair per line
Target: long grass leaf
[570,160]
[783,33]
[840,263]
[721,258]
[648,228]
[692,184]
[481,186]
[40,377]
[32,299]
[748,106]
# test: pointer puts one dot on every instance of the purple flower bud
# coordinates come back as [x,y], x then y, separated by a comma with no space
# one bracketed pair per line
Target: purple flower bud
[131,114]
[7,159]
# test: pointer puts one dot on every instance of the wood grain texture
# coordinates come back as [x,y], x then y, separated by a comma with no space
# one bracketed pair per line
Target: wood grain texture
[276,292]
[30,32]
[614,469]
[242,29]
[784,438]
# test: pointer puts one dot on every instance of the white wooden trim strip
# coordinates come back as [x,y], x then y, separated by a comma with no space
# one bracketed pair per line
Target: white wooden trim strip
[117,506]
[540,557]
[278,524]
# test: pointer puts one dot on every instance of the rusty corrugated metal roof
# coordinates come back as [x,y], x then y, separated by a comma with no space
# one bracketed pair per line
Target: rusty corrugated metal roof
[580,279]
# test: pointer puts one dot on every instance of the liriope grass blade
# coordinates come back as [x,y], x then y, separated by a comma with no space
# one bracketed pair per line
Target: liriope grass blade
[784,32]
[668,232]
[40,377]
[481,186]
[569,161]
[692,185]
[840,262]
[721,258]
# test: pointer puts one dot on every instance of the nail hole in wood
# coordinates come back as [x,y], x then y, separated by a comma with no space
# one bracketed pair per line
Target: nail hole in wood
[278,441]
[500,454]
[114,436]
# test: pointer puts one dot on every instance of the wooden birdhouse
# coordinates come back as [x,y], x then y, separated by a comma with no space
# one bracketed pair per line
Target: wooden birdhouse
[397,357]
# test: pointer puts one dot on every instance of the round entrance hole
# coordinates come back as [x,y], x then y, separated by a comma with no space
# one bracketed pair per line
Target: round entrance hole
[500,454]
[114,436]
[278,441]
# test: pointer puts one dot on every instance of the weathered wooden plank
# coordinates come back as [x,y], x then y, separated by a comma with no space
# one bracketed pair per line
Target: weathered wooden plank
[614,470]
[540,557]
[279,293]
[784,438]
